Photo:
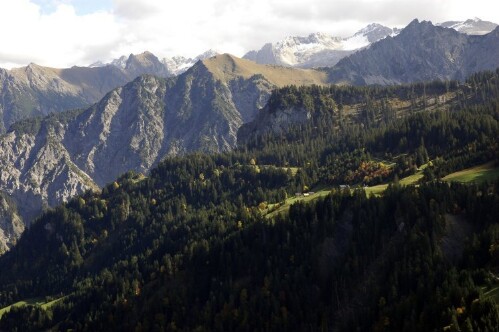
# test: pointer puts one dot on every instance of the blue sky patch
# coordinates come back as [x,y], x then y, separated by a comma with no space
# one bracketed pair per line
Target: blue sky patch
[82,7]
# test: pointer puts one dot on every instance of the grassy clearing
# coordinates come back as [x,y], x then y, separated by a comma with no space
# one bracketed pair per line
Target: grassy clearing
[35,301]
[284,208]
[275,209]
[479,174]
[475,174]
[407,181]
[376,190]
[50,304]
[492,293]
[411,179]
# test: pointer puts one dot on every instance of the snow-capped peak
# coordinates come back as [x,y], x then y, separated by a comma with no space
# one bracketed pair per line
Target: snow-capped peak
[208,54]
[179,64]
[368,29]
[120,62]
[317,49]
[473,26]
[355,42]
[294,50]
[97,64]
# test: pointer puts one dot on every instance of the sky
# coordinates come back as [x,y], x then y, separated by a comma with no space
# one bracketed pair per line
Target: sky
[63,33]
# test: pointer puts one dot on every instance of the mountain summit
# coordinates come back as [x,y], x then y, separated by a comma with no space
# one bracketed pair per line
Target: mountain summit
[420,52]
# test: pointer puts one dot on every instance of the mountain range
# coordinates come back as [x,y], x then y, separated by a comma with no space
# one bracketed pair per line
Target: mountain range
[46,160]
[325,50]
[317,49]
[169,66]
[37,91]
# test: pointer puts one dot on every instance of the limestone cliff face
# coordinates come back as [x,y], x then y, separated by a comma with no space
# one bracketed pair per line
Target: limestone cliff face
[11,225]
[45,161]
[37,170]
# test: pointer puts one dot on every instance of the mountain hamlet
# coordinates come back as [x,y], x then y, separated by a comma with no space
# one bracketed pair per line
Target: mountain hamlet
[319,183]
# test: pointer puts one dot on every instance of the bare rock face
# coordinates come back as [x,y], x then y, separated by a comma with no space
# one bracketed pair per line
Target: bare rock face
[11,224]
[37,170]
[265,55]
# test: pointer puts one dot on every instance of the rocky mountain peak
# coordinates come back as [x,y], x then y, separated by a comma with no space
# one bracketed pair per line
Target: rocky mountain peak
[179,64]
[320,37]
[208,54]
[145,59]
[145,63]
[420,30]
[369,28]
[374,32]
[416,26]
[148,63]
[120,62]
[226,67]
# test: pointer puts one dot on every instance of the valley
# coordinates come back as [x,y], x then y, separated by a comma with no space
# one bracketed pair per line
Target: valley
[319,183]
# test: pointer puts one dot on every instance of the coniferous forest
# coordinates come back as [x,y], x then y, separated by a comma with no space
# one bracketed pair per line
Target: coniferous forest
[193,246]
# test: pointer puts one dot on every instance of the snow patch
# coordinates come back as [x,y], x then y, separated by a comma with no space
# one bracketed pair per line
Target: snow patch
[355,42]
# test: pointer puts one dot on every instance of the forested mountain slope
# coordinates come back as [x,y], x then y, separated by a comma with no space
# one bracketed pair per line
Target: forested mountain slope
[189,247]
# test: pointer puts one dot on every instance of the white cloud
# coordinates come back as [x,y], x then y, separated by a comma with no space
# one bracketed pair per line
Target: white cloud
[137,10]
[60,37]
